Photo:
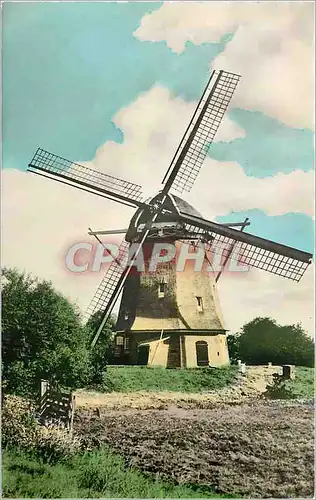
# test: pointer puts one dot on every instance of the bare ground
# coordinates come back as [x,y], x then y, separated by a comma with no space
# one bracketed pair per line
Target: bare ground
[264,449]
[232,441]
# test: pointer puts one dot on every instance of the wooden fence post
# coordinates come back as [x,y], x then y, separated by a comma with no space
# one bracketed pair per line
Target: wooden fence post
[44,386]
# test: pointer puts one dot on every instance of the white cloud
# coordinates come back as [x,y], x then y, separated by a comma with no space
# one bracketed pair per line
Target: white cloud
[245,296]
[42,218]
[272,48]
[153,126]
[223,186]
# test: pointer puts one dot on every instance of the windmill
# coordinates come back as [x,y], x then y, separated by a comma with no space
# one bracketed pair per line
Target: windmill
[167,317]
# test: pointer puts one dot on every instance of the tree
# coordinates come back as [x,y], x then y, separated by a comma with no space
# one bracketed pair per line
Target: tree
[99,355]
[233,347]
[42,336]
[263,340]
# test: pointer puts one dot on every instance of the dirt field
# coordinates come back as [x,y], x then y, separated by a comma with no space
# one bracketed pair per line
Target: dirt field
[232,441]
[258,450]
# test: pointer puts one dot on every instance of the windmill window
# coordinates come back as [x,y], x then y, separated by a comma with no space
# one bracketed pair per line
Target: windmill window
[126,344]
[126,315]
[199,304]
[161,290]
[119,340]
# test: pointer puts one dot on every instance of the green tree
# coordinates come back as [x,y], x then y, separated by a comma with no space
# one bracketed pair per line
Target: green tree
[263,340]
[233,347]
[99,355]
[42,336]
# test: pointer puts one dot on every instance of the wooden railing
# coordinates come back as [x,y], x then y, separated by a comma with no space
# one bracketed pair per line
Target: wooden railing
[56,406]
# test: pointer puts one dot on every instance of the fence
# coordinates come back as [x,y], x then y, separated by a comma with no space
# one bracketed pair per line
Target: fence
[56,406]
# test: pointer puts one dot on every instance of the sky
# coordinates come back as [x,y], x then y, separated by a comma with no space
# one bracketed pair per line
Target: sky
[113,85]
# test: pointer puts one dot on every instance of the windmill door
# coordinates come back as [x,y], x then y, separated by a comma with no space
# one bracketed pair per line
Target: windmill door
[142,354]
[202,353]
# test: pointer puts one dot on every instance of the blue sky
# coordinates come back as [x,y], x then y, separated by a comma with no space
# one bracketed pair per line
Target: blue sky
[69,67]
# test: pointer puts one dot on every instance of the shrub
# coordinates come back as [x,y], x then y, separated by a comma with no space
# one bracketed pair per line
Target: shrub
[21,430]
[302,387]
[99,355]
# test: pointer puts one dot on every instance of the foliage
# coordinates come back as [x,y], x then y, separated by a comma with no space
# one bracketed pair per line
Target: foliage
[40,462]
[21,430]
[98,474]
[42,336]
[233,347]
[99,355]
[263,340]
[302,387]
[143,378]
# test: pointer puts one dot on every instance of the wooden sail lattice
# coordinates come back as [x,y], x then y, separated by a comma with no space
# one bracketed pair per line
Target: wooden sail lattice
[108,284]
[248,253]
[202,129]
[77,174]
[246,249]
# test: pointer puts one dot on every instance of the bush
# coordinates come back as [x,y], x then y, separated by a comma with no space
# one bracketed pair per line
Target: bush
[99,355]
[21,430]
[302,387]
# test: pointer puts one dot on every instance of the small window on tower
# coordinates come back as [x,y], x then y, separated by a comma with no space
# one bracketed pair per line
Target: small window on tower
[126,315]
[199,304]
[161,290]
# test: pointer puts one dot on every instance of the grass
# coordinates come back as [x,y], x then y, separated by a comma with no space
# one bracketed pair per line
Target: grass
[302,387]
[142,378]
[98,474]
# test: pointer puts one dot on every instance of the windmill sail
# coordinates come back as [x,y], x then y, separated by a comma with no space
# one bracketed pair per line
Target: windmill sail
[120,274]
[250,250]
[201,131]
[105,290]
[88,179]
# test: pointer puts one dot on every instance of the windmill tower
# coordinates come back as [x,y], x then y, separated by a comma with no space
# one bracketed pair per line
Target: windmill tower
[168,316]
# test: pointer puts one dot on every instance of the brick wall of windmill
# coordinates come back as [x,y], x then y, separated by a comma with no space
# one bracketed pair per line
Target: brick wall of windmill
[177,310]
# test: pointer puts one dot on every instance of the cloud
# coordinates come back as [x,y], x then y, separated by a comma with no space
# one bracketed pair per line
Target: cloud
[244,296]
[272,48]
[153,126]
[231,189]
[42,218]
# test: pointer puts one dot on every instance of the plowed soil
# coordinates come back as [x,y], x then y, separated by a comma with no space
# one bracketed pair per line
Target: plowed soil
[255,449]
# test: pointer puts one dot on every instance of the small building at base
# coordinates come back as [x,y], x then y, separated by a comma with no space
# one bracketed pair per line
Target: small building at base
[172,349]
